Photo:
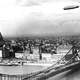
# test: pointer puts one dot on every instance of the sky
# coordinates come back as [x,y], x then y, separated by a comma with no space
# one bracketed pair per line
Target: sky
[38,17]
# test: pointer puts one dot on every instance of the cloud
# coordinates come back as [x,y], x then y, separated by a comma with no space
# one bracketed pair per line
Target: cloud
[40,2]
[7,3]
[31,2]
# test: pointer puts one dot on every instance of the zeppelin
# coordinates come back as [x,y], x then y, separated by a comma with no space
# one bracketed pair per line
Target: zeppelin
[70,7]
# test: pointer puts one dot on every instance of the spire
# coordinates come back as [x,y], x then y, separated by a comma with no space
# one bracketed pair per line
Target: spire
[1,40]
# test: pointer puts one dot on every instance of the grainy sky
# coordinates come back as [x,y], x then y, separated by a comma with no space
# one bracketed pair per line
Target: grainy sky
[39,17]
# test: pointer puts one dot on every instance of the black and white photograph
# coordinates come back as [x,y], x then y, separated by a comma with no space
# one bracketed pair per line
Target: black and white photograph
[39,39]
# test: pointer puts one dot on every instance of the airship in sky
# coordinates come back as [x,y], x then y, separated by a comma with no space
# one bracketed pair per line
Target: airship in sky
[71,7]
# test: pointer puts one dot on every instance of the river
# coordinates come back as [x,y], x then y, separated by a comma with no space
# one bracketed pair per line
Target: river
[20,70]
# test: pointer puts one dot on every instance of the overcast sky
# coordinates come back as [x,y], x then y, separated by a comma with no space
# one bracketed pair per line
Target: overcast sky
[38,17]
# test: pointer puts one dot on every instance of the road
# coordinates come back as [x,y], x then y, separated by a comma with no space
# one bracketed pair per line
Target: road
[72,74]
